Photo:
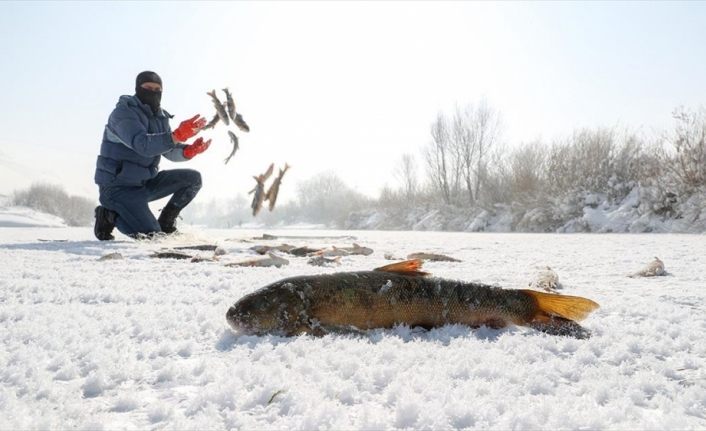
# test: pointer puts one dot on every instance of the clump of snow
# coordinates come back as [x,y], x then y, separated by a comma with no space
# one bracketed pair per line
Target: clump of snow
[142,343]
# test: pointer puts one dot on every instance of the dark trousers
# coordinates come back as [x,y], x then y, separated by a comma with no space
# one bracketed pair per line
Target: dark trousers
[130,202]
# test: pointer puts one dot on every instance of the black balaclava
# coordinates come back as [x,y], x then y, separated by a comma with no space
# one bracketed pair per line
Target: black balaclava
[148,97]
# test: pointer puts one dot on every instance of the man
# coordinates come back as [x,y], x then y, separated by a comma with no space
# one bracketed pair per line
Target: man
[127,170]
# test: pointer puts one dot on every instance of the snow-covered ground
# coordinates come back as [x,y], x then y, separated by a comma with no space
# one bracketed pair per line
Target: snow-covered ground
[142,343]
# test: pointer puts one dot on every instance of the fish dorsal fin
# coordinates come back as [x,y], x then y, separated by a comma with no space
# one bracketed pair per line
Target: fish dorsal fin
[406,267]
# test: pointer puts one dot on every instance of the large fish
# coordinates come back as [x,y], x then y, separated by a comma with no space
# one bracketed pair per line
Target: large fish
[399,294]
[220,109]
[273,191]
[234,141]
[259,190]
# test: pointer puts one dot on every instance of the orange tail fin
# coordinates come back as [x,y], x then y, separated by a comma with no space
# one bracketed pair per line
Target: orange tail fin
[569,307]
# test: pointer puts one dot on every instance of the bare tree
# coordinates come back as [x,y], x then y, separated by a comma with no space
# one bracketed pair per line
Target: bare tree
[406,174]
[438,157]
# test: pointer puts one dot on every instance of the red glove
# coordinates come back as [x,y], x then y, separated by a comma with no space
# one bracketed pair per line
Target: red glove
[188,128]
[198,147]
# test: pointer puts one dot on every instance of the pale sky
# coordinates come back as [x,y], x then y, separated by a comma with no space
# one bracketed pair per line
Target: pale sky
[342,86]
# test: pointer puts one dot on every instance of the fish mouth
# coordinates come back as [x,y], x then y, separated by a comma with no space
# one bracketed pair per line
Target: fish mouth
[233,316]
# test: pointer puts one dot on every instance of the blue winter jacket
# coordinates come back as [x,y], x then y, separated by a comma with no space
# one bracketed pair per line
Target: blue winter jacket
[133,142]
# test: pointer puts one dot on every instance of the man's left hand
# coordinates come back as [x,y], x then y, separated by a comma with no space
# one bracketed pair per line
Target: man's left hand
[198,147]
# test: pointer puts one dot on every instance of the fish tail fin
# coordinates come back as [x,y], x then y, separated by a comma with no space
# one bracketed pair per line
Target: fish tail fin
[557,314]
[568,307]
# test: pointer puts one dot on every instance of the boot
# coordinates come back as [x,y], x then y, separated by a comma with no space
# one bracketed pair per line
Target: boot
[167,219]
[105,223]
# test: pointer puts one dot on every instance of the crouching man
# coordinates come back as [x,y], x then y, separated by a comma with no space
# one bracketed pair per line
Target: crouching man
[127,171]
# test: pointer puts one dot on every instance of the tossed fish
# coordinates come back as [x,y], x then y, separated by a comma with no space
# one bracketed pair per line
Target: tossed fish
[547,279]
[271,260]
[653,269]
[273,191]
[234,140]
[399,294]
[432,256]
[230,104]
[211,124]
[259,190]
[220,109]
[240,122]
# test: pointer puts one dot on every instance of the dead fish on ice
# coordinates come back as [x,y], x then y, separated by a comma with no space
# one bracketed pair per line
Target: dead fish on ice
[110,256]
[322,260]
[432,257]
[217,250]
[259,190]
[653,269]
[264,249]
[171,255]
[304,251]
[220,109]
[271,260]
[234,141]
[547,279]
[348,251]
[399,294]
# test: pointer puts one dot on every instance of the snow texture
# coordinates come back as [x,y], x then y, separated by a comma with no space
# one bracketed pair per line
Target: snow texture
[142,343]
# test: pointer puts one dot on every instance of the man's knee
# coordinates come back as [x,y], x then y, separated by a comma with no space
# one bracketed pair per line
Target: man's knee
[194,178]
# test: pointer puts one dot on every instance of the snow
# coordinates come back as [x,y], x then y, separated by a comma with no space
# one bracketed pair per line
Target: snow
[142,343]
[15,216]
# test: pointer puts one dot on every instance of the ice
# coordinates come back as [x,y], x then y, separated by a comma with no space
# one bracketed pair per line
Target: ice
[143,343]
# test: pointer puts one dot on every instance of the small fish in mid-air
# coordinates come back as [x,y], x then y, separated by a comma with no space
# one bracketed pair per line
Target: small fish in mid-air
[259,190]
[234,140]
[547,279]
[273,191]
[240,122]
[653,269]
[230,104]
[220,109]
[211,124]
[400,294]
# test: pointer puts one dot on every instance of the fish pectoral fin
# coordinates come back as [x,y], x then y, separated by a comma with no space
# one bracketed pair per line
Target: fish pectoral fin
[406,267]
